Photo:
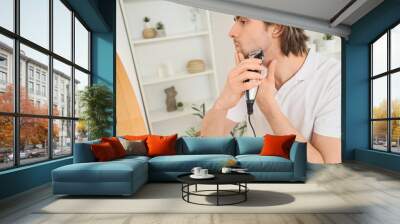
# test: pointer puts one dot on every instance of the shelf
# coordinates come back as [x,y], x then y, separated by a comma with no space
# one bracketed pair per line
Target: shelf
[177,77]
[163,115]
[172,37]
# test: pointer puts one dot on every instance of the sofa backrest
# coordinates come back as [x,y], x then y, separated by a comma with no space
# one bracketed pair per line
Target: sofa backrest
[83,152]
[249,145]
[206,145]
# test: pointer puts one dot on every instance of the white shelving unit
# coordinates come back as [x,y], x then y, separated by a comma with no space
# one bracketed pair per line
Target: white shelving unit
[181,44]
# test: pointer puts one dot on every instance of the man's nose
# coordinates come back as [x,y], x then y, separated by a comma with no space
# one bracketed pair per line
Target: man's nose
[233,32]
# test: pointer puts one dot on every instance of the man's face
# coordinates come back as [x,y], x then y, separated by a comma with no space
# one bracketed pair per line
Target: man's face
[250,34]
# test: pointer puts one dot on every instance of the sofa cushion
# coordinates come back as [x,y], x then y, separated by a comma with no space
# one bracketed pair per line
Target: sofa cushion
[277,145]
[257,163]
[116,145]
[111,171]
[185,163]
[206,145]
[159,145]
[103,152]
[249,145]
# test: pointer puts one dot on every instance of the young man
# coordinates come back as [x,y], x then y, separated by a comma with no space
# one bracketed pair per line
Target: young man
[300,94]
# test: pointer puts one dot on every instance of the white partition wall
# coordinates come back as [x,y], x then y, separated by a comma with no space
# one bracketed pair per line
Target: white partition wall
[185,39]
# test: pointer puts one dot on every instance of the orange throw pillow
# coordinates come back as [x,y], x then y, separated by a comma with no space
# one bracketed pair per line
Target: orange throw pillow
[116,145]
[103,152]
[135,137]
[161,145]
[277,145]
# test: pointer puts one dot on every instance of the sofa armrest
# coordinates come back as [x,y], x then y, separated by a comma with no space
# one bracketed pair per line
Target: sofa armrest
[298,155]
[83,152]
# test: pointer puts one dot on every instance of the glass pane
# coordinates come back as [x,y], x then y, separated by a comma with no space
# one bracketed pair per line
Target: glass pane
[33,139]
[379,98]
[81,81]
[7,14]
[6,142]
[379,135]
[6,74]
[81,131]
[34,72]
[395,94]
[62,141]
[35,21]
[379,55]
[395,47]
[395,136]
[62,29]
[62,89]
[81,45]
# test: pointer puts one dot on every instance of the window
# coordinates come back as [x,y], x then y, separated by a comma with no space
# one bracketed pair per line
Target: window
[385,94]
[30,87]
[46,73]
[7,14]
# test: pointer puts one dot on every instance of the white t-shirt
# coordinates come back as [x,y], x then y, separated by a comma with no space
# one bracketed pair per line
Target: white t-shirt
[311,100]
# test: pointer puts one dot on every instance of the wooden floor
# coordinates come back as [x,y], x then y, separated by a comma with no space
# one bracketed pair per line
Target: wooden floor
[378,188]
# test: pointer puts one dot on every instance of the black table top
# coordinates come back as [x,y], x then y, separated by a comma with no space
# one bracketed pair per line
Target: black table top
[220,178]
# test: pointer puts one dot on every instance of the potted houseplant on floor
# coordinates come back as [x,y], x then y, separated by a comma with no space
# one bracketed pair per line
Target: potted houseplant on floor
[96,102]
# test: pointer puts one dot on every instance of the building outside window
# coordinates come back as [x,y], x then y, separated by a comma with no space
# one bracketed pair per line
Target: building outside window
[35,71]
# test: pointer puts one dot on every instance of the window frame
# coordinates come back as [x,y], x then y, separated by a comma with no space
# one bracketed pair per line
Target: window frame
[16,114]
[388,74]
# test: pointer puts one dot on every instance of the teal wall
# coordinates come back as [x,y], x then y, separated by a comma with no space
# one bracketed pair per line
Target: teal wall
[355,78]
[100,17]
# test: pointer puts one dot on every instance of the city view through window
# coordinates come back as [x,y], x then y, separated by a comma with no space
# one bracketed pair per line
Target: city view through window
[42,71]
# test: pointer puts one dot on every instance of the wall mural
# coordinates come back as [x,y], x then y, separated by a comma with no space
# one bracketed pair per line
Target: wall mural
[194,66]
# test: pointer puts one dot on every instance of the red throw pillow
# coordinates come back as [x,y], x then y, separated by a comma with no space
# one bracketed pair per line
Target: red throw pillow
[103,151]
[277,145]
[116,145]
[161,145]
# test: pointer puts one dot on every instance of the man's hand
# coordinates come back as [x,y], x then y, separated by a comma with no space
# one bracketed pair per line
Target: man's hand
[267,89]
[235,85]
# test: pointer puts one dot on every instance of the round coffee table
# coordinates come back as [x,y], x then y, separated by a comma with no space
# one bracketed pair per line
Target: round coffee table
[238,179]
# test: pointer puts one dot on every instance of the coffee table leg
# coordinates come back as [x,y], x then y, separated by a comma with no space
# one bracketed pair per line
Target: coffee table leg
[196,188]
[217,194]
[245,193]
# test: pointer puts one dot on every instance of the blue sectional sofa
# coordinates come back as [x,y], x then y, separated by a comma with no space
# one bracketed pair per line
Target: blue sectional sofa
[125,176]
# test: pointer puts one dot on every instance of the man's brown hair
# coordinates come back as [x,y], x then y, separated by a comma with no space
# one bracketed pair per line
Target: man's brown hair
[293,40]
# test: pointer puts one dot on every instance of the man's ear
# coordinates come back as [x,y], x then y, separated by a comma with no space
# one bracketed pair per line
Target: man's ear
[277,30]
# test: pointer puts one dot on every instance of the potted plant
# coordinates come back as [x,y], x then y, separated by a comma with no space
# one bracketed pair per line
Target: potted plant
[148,31]
[160,29]
[179,106]
[96,102]
[326,44]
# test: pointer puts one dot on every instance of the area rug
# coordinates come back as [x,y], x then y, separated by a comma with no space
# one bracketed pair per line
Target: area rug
[167,198]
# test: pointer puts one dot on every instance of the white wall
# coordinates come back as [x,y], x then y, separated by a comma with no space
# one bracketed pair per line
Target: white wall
[123,50]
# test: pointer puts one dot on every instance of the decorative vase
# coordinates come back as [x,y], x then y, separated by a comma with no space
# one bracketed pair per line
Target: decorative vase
[149,33]
[170,101]
[161,33]
[195,66]
[326,46]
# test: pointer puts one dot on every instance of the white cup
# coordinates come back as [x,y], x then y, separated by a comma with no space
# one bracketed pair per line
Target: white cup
[226,170]
[196,171]
[203,172]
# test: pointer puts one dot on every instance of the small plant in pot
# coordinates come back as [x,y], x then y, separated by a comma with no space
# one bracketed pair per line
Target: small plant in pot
[179,106]
[160,29]
[326,44]
[148,31]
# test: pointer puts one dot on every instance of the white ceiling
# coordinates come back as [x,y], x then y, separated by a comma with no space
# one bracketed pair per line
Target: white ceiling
[315,15]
